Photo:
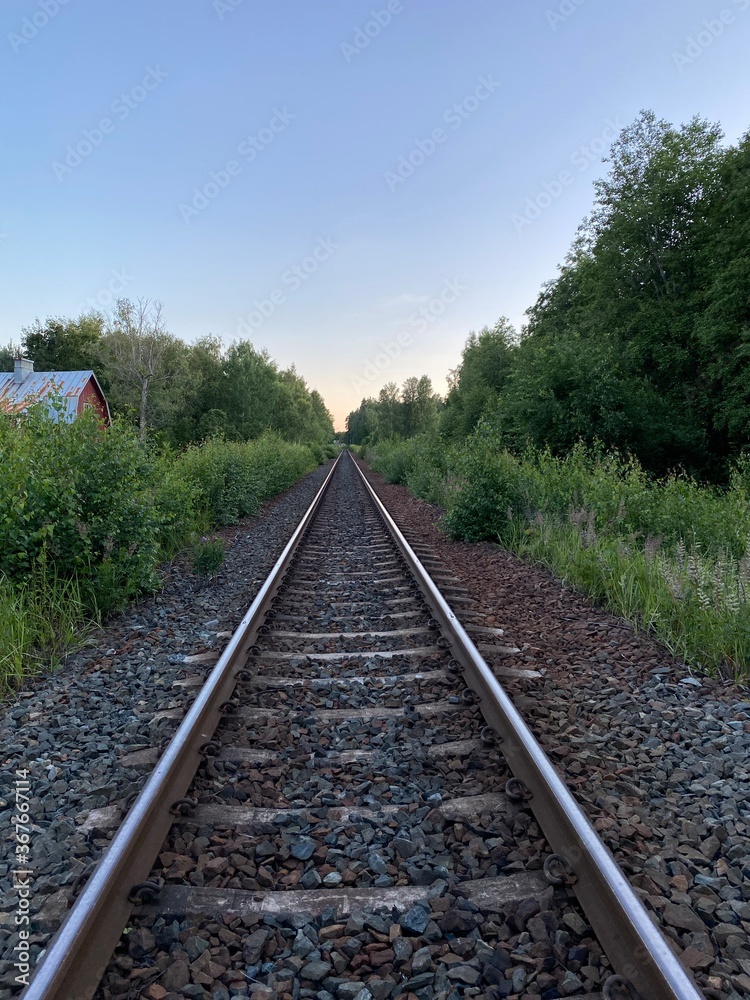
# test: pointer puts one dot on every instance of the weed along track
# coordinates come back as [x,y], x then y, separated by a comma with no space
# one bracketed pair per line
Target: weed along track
[353,809]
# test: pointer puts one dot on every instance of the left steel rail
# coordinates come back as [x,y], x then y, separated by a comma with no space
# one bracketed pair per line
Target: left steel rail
[79,953]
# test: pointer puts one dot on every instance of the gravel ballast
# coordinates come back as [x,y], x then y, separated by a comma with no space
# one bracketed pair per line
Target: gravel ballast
[350,833]
[83,735]
[657,758]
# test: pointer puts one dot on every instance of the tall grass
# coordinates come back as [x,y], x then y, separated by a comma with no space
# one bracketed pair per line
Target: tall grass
[670,555]
[40,620]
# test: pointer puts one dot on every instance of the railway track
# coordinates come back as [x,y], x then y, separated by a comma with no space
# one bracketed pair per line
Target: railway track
[353,808]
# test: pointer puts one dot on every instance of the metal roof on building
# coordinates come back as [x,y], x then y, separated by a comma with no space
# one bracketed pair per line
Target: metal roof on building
[16,396]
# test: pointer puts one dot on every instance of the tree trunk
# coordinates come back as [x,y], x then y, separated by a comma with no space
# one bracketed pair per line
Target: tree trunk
[144,401]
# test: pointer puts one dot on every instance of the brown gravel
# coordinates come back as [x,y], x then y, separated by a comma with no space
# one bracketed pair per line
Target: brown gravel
[555,627]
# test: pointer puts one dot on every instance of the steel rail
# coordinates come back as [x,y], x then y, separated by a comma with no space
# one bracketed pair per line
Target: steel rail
[633,943]
[79,953]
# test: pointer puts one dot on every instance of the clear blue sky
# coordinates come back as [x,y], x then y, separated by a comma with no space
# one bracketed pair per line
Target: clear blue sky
[117,114]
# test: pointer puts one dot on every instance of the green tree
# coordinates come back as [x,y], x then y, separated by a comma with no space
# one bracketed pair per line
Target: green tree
[202,409]
[7,357]
[571,389]
[419,405]
[486,364]
[146,367]
[297,417]
[250,390]
[632,281]
[361,423]
[389,413]
[64,345]
[723,326]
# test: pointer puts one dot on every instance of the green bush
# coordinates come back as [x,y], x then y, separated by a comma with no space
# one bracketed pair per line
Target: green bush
[670,555]
[231,480]
[208,555]
[487,490]
[86,513]
[82,498]
[420,463]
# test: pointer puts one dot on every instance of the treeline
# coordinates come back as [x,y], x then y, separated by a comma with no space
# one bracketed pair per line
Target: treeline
[414,409]
[176,392]
[610,441]
[642,342]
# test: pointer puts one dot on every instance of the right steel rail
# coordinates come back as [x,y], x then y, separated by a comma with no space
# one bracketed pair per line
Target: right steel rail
[635,946]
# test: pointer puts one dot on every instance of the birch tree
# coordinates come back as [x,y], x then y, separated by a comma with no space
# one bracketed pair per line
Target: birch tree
[142,359]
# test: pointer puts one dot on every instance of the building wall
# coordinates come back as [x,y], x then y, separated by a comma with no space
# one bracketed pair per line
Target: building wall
[90,396]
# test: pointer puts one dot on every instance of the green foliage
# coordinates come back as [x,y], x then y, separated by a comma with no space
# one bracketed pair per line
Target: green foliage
[64,345]
[588,444]
[240,394]
[231,480]
[39,620]
[421,464]
[669,554]
[176,392]
[86,513]
[487,490]
[657,273]
[177,504]
[698,605]
[412,410]
[642,342]
[81,497]
[486,365]
[208,555]
[8,354]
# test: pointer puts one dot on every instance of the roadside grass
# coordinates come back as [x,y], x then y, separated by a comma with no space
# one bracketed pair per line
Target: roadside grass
[671,556]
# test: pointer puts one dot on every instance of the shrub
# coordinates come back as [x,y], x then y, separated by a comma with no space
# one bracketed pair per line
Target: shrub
[86,513]
[670,555]
[230,480]
[420,463]
[81,497]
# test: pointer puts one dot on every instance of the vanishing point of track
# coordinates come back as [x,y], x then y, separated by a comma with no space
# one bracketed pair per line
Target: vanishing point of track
[351,664]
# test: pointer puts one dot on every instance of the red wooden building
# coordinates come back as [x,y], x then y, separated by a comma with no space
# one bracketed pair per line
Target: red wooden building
[78,390]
